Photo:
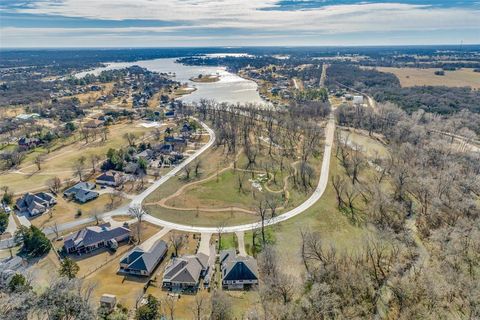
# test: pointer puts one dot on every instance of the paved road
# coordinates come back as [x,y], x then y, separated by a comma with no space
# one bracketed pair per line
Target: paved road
[322,184]
[138,199]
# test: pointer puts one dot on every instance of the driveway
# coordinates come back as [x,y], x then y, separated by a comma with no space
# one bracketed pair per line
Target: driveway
[204,246]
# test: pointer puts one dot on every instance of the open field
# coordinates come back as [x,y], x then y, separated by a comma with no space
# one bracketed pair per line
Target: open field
[201,218]
[371,147]
[410,77]
[66,210]
[60,162]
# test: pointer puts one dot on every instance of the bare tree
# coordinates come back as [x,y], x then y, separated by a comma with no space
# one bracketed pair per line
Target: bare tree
[137,212]
[272,204]
[187,169]
[54,184]
[262,213]
[197,167]
[176,240]
[200,306]
[220,227]
[105,131]
[78,167]
[114,196]
[131,138]
[94,159]
[221,306]
[39,160]
[170,303]
[338,184]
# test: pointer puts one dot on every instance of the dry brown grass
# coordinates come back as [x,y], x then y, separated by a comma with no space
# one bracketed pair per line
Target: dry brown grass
[410,77]
[65,210]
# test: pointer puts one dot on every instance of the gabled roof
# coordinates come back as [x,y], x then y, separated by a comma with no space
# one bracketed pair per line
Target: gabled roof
[39,201]
[79,186]
[91,235]
[110,176]
[138,259]
[238,267]
[186,269]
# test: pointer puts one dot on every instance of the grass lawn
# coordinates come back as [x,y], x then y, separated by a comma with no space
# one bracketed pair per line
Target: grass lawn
[200,218]
[370,146]
[66,210]
[60,162]
[221,192]
[128,288]
[322,217]
[212,160]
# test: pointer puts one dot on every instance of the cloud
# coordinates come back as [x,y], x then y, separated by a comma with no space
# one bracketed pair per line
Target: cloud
[200,19]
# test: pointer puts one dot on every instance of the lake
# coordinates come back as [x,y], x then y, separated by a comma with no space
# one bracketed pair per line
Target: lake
[231,88]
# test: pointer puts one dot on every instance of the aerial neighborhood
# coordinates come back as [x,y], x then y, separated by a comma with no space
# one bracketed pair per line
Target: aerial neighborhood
[238,182]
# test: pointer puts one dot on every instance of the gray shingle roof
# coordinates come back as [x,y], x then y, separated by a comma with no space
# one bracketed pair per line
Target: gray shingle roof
[138,259]
[186,269]
[92,235]
[238,267]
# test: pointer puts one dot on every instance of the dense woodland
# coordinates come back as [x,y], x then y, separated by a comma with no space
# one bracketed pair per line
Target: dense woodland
[386,87]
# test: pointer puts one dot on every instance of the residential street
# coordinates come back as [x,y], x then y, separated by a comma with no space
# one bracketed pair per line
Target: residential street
[137,200]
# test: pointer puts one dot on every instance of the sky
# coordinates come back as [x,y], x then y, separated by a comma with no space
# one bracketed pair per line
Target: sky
[192,23]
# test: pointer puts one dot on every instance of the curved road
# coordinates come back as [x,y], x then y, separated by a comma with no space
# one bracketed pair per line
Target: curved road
[137,201]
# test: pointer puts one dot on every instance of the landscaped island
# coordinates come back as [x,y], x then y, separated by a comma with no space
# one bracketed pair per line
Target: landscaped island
[207,78]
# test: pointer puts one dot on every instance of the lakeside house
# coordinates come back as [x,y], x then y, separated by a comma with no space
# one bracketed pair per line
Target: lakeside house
[238,272]
[140,262]
[82,192]
[35,203]
[92,238]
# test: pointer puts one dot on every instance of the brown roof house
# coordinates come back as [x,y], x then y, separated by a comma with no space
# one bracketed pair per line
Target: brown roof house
[89,239]
[35,203]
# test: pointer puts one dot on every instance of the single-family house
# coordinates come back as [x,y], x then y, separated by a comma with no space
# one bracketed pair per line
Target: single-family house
[131,168]
[91,238]
[95,123]
[35,204]
[142,262]
[165,148]
[28,143]
[81,192]
[184,273]
[175,140]
[238,272]
[110,178]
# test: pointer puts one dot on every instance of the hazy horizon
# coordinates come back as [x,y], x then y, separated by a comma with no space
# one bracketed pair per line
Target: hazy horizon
[214,23]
